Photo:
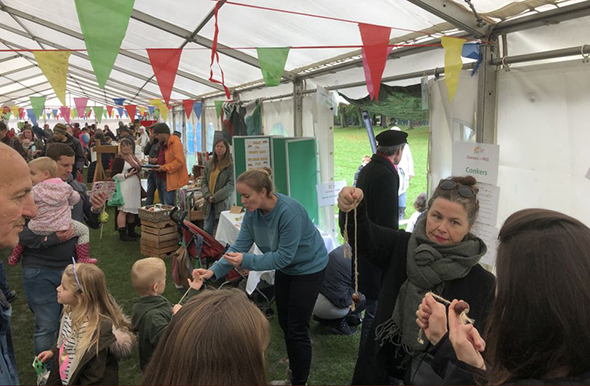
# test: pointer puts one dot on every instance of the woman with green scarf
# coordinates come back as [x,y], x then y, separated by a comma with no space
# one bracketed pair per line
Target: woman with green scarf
[440,256]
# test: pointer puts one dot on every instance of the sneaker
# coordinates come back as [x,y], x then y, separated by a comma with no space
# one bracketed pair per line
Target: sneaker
[342,329]
[353,320]
[11,296]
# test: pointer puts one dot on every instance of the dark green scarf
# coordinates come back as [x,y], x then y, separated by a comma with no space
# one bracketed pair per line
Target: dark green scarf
[428,265]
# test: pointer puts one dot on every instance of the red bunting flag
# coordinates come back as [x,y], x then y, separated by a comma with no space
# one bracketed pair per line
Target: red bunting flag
[188,106]
[21,113]
[131,109]
[165,65]
[110,111]
[375,40]
[65,113]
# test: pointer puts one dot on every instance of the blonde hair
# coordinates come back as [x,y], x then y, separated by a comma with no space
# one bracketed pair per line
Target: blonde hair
[44,164]
[95,303]
[258,179]
[217,338]
[147,272]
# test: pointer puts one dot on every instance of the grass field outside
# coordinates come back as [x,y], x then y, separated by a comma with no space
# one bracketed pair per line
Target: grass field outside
[333,356]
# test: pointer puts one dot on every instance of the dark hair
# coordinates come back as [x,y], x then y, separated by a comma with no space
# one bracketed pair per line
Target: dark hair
[29,128]
[420,202]
[223,162]
[470,204]
[540,322]
[3,126]
[389,150]
[258,179]
[217,338]
[57,150]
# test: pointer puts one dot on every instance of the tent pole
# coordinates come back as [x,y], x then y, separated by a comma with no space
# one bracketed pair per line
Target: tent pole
[298,91]
[485,117]
[561,53]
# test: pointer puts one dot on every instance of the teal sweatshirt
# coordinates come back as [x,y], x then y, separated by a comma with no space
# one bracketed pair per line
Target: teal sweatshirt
[287,238]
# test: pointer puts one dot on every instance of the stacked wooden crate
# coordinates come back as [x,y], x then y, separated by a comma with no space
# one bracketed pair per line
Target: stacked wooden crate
[159,234]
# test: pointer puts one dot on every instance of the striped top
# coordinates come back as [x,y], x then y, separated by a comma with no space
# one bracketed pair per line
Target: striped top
[67,342]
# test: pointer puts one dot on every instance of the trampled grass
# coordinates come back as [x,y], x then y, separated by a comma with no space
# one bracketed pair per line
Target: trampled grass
[333,356]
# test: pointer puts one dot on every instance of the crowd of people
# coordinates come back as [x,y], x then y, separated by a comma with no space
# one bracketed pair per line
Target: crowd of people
[432,313]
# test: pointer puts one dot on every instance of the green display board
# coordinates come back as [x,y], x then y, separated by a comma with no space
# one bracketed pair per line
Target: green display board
[302,174]
[279,149]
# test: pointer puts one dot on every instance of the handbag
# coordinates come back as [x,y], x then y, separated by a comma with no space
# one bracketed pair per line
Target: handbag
[117,198]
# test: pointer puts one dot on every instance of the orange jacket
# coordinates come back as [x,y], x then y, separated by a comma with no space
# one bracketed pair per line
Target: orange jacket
[175,166]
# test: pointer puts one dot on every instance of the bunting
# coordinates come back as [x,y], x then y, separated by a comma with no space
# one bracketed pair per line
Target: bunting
[368,72]
[21,113]
[453,64]
[215,54]
[32,116]
[218,108]
[119,101]
[15,110]
[165,65]
[38,104]
[65,113]
[73,113]
[272,64]
[131,110]
[188,107]
[87,113]
[198,108]
[155,102]
[472,51]
[81,106]
[151,110]
[98,110]
[375,40]
[54,65]
[164,111]
[110,111]
[142,112]
[120,110]
[54,111]
[104,24]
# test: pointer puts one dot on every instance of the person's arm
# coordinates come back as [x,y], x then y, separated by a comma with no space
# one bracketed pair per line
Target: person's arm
[33,241]
[227,190]
[157,322]
[178,162]
[242,244]
[289,238]
[205,182]
[147,148]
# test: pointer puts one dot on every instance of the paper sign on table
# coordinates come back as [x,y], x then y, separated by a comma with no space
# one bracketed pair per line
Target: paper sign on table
[328,192]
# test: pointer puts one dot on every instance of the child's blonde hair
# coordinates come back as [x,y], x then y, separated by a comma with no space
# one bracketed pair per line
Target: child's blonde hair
[94,304]
[44,164]
[147,272]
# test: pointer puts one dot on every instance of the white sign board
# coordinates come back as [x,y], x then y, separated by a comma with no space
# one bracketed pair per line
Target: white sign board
[328,192]
[489,234]
[479,160]
[488,197]
[257,153]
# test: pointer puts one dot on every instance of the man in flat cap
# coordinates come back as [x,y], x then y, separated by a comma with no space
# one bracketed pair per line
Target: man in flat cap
[379,182]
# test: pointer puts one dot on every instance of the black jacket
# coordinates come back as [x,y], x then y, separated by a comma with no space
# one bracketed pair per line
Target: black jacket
[379,182]
[151,315]
[387,249]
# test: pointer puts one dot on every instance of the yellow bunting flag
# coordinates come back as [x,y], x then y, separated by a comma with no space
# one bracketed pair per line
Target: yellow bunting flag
[73,113]
[164,111]
[54,65]
[141,111]
[453,63]
[155,102]
[14,111]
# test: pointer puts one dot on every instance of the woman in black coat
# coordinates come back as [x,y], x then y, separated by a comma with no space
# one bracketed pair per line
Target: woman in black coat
[440,256]
[538,331]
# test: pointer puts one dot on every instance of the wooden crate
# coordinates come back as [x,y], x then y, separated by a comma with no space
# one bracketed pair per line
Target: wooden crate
[158,252]
[158,244]
[158,239]
[163,234]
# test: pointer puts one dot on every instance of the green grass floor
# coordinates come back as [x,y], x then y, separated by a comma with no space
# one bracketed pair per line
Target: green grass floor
[333,356]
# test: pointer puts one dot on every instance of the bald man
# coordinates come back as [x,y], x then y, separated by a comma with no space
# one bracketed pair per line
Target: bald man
[17,205]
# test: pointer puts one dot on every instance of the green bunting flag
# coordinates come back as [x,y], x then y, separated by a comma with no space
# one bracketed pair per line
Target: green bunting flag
[272,64]
[104,24]
[38,104]
[218,108]
[98,110]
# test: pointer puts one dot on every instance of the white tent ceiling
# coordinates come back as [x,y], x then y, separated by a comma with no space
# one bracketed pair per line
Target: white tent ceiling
[30,25]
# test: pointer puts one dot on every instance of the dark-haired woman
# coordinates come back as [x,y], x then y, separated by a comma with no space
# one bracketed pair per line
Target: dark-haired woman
[217,185]
[283,231]
[538,331]
[440,256]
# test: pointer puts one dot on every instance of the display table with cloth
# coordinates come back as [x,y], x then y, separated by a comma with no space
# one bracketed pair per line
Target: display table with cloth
[227,233]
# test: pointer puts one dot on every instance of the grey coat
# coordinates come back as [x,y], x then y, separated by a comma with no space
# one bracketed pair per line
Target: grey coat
[224,189]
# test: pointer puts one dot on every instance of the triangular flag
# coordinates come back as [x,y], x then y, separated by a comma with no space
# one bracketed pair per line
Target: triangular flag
[368,73]
[65,113]
[164,111]
[198,108]
[142,112]
[87,114]
[54,65]
[81,106]
[98,113]
[272,64]
[38,104]
[7,114]
[165,65]
[119,101]
[104,114]
[218,108]
[73,113]
[120,110]
[48,115]
[375,40]
[131,110]
[15,111]
[110,111]
[104,24]
[54,111]
[155,102]
[472,51]
[151,110]
[21,113]
[32,116]
[453,63]
[188,106]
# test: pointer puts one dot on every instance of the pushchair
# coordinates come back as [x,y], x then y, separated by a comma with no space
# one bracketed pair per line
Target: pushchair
[201,250]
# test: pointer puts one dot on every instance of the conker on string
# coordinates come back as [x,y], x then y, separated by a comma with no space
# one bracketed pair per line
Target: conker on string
[356,298]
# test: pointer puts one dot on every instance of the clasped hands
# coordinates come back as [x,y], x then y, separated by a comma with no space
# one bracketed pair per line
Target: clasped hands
[432,318]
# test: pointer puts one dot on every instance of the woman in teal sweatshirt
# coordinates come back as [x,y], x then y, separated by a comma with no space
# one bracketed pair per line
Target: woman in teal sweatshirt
[290,243]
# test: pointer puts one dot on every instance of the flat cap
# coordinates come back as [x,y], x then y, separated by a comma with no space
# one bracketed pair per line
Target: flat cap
[391,138]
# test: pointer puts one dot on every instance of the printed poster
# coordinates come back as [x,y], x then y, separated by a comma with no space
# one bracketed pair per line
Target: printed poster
[257,153]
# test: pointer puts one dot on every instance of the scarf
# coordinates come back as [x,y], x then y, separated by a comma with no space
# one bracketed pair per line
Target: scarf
[428,266]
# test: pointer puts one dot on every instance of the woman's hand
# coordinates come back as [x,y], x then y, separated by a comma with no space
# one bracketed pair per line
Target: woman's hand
[465,339]
[203,273]
[45,356]
[234,258]
[197,282]
[432,318]
[349,198]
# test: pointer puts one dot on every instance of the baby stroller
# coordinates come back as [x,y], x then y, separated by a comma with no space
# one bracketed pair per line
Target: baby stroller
[201,250]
